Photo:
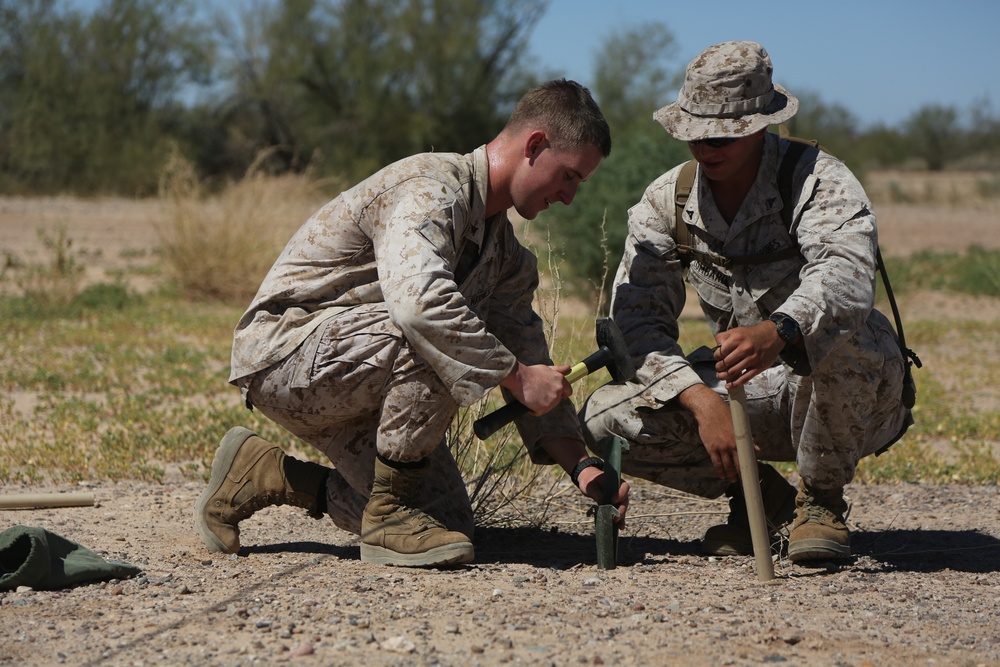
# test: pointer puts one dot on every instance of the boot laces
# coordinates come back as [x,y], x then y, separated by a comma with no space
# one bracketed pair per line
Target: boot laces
[818,513]
[423,520]
[259,501]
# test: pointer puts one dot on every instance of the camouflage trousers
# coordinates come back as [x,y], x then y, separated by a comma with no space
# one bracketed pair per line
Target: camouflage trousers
[356,387]
[826,422]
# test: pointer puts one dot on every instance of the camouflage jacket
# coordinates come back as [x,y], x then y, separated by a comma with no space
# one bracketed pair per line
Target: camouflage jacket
[829,289]
[413,237]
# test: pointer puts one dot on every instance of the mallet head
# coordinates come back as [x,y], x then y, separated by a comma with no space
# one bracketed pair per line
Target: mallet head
[609,337]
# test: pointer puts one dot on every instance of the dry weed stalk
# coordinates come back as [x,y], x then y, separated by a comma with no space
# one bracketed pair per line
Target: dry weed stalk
[54,282]
[221,246]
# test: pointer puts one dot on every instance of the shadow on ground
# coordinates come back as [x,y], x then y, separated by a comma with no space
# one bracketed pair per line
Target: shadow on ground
[903,550]
[549,548]
[930,550]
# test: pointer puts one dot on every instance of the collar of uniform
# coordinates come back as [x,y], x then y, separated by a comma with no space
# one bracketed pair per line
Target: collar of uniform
[477,204]
[763,198]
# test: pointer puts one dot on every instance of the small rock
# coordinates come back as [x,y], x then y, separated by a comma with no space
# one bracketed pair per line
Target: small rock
[303,649]
[399,645]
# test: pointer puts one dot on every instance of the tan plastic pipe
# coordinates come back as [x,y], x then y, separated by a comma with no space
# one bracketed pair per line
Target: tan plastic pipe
[751,484]
[33,500]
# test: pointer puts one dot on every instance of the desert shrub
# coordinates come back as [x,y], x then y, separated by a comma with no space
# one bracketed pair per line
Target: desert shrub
[103,296]
[988,188]
[220,246]
[53,280]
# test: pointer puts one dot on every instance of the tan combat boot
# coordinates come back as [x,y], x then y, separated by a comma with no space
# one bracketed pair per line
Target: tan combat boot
[248,474]
[733,537]
[395,531]
[819,531]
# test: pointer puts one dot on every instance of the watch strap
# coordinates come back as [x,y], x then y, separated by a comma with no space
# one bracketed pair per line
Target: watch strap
[589,462]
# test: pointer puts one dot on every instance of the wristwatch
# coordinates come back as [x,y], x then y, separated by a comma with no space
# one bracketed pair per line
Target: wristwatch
[788,329]
[590,461]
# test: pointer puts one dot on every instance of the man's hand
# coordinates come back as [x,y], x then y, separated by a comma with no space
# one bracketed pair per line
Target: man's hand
[715,428]
[539,387]
[744,352]
[592,481]
[567,452]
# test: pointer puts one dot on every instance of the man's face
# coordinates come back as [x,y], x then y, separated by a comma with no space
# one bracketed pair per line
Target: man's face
[548,175]
[722,164]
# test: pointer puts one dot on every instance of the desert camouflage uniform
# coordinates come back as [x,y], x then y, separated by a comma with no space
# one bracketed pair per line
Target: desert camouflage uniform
[826,408]
[392,306]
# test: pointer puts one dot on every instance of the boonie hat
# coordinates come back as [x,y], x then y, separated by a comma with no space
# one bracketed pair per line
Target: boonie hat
[727,92]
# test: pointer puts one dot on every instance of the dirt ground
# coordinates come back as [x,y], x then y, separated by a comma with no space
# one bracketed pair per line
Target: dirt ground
[923,588]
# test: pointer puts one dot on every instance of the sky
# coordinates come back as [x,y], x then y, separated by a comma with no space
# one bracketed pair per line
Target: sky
[880,59]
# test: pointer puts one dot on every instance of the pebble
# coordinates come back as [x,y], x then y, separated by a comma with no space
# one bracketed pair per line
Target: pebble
[398,645]
[302,649]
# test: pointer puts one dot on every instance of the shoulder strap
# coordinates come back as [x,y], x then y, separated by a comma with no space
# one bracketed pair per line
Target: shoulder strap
[682,190]
[796,147]
[682,235]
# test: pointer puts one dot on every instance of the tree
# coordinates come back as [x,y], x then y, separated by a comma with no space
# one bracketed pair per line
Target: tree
[833,125]
[933,134]
[633,75]
[365,82]
[633,78]
[85,97]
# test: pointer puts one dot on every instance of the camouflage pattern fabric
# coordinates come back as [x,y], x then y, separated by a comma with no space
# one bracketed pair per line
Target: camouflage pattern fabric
[394,305]
[826,408]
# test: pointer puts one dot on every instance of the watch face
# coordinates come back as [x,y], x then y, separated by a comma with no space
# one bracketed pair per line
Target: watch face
[787,328]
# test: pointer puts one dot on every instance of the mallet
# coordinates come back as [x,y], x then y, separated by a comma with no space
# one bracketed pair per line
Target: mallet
[611,354]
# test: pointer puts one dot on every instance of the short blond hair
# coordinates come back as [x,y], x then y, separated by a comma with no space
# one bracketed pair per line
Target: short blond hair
[568,113]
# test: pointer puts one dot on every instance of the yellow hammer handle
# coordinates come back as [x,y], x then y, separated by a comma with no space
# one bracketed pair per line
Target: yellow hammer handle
[577,372]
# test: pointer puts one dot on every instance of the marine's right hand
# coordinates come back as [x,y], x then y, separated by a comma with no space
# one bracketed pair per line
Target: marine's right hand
[539,387]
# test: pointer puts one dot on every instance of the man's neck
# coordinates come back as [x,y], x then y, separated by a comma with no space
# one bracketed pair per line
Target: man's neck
[730,193]
[498,197]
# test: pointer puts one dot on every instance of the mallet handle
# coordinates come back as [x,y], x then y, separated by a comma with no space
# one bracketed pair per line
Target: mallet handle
[489,424]
[591,364]
[30,500]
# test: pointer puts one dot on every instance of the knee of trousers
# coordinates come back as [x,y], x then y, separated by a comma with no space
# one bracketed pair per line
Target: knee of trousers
[600,416]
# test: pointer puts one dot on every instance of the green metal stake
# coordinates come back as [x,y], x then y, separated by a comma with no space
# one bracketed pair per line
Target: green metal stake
[605,528]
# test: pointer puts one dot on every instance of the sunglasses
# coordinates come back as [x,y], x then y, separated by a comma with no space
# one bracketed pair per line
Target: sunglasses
[715,142]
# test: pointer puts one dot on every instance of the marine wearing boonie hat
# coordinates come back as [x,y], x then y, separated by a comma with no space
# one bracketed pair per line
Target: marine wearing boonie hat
[727,92]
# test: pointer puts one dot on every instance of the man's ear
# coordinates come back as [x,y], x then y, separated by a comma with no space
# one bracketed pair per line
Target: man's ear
[535,144]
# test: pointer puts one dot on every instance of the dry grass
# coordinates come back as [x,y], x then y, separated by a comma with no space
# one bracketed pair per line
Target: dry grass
[221,246]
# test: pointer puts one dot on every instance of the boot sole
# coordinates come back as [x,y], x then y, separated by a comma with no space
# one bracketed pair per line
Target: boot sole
[221,465]
[448,554]
[817,549]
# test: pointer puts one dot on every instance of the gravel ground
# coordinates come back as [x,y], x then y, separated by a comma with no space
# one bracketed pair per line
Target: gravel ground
[923,589]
